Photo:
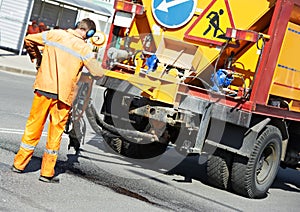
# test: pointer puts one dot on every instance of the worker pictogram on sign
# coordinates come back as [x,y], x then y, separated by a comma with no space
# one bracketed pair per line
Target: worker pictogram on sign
[211,25]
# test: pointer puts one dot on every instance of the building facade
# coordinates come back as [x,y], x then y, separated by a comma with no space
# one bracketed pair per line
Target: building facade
[15,16]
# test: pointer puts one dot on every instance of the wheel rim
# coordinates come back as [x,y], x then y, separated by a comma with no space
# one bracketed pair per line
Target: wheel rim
[266,164]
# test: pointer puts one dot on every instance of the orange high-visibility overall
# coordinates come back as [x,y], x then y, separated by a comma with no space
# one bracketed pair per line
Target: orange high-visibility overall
[64,55]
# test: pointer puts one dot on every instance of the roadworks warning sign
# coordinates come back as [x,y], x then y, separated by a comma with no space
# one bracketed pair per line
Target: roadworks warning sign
[211,25]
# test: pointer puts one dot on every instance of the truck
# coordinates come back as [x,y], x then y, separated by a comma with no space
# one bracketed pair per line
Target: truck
[208,77]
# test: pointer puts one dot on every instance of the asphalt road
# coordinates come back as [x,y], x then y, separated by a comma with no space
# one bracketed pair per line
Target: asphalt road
[100,180]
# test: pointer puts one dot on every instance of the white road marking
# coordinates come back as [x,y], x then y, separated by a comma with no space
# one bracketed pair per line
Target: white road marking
[20,132]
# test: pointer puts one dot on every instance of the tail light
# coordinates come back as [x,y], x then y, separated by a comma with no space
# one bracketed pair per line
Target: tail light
[246,35]
[128,6]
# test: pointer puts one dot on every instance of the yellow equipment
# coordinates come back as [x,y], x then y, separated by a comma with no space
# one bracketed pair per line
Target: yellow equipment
[216,77]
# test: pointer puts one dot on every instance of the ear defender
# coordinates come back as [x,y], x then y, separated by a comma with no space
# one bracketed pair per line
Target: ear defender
[90,33]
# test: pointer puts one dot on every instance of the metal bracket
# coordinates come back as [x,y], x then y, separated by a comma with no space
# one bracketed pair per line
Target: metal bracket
[202,129]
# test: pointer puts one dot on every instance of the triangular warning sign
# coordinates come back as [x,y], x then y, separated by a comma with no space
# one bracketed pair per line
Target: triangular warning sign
[210,27]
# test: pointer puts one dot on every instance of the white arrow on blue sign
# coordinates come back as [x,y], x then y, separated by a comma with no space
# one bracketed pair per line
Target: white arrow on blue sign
[173,13]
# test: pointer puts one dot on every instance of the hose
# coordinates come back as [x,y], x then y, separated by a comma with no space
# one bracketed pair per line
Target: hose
[97,124]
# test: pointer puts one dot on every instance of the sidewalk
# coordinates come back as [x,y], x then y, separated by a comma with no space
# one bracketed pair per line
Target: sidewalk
[16,63]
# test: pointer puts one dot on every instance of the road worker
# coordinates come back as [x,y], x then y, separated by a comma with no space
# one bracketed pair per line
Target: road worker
[33,28]
[42,27]
[65,53]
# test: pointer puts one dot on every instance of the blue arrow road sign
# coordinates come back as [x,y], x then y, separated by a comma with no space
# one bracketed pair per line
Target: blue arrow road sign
[173,13]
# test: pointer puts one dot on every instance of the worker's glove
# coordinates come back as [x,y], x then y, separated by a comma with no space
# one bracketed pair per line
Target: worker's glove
[38,63]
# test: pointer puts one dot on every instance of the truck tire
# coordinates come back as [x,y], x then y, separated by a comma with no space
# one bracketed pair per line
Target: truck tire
[218,169]
[143,151]
[114,142]
[119,144]
[253,177]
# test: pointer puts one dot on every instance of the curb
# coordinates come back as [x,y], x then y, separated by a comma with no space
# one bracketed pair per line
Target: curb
[18,70]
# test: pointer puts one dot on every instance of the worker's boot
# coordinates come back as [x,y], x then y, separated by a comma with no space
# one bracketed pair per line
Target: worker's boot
[14,169]
[49,179]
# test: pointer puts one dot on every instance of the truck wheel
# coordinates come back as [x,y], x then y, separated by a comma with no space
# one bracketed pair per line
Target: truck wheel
[114,142]
[218,169]
[253,177]
[142,151]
